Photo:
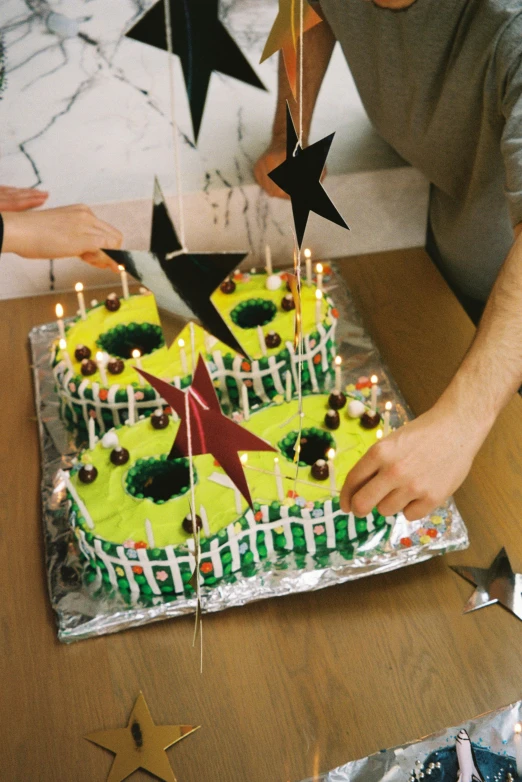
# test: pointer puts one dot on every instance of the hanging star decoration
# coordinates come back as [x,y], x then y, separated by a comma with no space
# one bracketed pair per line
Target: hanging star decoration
[141,744]
[181,281]
[496,584]
[202,43]
[299,176]
[207,430]
[285,34]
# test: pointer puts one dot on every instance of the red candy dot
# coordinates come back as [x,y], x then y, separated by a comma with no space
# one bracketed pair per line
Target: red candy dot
[245,366]
[432,533]
[291,493]
[406,542]
[206,567]
[103,394]
[137,569]
[258,516]
[317,358]
[335,312]
[168,410]
[140,544]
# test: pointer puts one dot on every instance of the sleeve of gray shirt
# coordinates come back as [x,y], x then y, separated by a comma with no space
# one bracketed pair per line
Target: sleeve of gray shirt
[510,72]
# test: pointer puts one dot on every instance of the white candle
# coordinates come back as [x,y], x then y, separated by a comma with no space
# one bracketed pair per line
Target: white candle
[124,282]
[66,356]
[101,360]
[261,338]
[132,405]
[388,407]
[279,480]
[149,533]
[331,469]
[92,433]
[308,262]
[319,272]
[318,306]
[81,301]
[204,520]
[183,355]
[59,315]
[518,747]
[192,346]
[268,259]
[379,434]
[288,393]
[373,399]
[337,362]
[244,402]
[136,355]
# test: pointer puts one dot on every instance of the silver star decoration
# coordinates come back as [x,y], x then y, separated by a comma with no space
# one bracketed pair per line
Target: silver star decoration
[496,584]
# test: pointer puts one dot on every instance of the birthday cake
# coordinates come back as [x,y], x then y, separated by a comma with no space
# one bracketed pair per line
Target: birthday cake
[94,365]
[130,505]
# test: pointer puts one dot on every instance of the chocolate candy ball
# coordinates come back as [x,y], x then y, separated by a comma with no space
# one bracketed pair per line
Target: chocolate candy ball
[115,366]
[320,470]
[88,473]
[272,339]
[88,367]
[370,420]
[227,286]
[81,352]
[120,456]
[159,419]
[188,526]
[337,400]
[112,302]
[288,303]
[332,419]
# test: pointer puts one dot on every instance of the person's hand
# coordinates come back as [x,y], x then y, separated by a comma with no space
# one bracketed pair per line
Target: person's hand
[18,199]
[414,469]
[61,233]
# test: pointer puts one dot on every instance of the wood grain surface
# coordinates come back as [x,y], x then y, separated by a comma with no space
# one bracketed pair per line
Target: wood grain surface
[291,686]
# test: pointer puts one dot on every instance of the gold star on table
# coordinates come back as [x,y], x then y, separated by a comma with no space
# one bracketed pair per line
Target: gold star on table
[496,584]
[141,744]
[284,35]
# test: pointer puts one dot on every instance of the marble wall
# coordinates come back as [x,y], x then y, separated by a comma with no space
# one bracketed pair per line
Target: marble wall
[86,115]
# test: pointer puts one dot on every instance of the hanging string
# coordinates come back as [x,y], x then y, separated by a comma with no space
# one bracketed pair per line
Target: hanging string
[301,69]
[175,132]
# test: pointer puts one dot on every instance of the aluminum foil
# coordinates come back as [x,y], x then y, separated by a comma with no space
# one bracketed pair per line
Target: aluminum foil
[435,758]
[82,613]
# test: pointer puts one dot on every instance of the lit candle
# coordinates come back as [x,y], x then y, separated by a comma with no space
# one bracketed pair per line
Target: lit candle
[373,400]
[279,480]
[288,392]
[149,533]
[331,469]
[388,407]
[192,346]
[124,282]
[308,262]
[337,362]
[518,747]
[66,356]
[261,338]
[318,306]
[92,433]
[59,315]
[183,355]
[268,259]
[101,360]
[81,301]
[319,272]
[136,355]
[244,402]
[379,434]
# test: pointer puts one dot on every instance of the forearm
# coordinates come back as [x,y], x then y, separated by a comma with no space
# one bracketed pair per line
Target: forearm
[317,51]
[492,369]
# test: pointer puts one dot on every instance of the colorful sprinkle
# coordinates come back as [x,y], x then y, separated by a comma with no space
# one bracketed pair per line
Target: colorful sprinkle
[243,548]
[103,394]
[245,366]
[317,358]
[291,493]
[425,539]
[335,312]
[138,395]
[317,513]
[137,569]
[237,527]
[432,533]
[141,544]
[436,520]
[162,575]
[406,542]
[258,516]
[279,530]
[237,416]
[119,571]
[207,567]
[72,387]
[319,530]
[128,544]
[301,502]
[131,554]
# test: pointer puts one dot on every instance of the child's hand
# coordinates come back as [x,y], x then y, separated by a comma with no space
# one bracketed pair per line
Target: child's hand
[18,199]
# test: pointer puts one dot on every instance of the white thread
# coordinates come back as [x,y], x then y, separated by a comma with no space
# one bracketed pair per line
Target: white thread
[301,69]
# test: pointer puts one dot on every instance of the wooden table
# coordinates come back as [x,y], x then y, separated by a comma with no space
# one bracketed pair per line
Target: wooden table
[291,686]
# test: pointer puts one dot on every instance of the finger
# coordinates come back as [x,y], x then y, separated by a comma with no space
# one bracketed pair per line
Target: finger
[99,259]
[418,509]
[364,470]
[21,203]
[366,498]
[114,237]
[394,502]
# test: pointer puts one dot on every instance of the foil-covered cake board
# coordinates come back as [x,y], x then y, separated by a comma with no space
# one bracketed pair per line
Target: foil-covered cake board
[84,611]
[484,749]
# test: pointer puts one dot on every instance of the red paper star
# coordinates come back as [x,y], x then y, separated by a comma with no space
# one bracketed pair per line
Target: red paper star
[210,431]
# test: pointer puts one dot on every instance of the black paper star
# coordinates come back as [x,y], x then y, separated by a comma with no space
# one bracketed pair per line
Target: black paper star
[299,177]
[202,43]
[182,282]
[496,584]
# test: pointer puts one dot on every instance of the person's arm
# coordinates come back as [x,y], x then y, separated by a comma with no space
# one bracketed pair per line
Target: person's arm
[18,199]
[417,467]
[61,233]
[318,46]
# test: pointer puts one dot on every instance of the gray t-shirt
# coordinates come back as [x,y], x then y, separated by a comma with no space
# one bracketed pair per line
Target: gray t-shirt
[442,83]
